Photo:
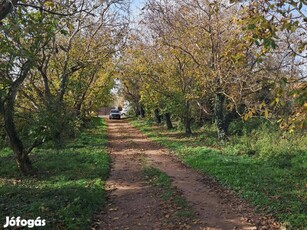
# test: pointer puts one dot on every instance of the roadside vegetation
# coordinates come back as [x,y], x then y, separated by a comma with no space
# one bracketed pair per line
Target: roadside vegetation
[69,184]
[262,165]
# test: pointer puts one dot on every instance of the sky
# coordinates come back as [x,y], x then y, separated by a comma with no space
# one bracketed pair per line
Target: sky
[136,6]
[137,3]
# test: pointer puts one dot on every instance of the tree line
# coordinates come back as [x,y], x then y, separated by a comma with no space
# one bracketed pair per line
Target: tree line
[189,60]
[200,60]
[56,67]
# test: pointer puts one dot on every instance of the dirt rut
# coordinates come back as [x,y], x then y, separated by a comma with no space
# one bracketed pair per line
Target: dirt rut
[135,205]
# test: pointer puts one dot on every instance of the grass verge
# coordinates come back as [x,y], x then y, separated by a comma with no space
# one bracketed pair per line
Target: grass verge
[69,187]
[273,178]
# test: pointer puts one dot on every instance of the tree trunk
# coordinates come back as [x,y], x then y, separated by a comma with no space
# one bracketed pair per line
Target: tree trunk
[136,111]
[187,124]
[21,155]
[5,8]
[78,107]
[7,111]
[187,119]
[58,140]
[142,112]
[157,116]
[220,116]
[168,120]
[24,164]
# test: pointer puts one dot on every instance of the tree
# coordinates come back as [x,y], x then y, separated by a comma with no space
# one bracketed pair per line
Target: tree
[6,7]
[199,30]
[162,78]
[39,56]
[279,27]
[73,63]
[227,54]
[22,38]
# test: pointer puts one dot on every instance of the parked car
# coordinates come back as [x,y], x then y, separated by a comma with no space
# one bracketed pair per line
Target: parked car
[114,114]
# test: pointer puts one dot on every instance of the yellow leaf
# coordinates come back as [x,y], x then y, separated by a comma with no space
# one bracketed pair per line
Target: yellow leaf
[266,113]
[49,4]
[245,117]
[250,114]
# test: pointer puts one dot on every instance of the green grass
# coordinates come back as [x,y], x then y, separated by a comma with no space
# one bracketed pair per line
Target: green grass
[69,186]
[262,166]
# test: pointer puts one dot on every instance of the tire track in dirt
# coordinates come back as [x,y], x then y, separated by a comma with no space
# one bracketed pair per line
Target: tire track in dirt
[134,205]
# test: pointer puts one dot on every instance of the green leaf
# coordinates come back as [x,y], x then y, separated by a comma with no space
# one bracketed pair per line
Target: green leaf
[251,26]
[64,32]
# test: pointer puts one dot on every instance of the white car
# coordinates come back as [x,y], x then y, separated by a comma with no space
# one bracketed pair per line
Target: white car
[114,114]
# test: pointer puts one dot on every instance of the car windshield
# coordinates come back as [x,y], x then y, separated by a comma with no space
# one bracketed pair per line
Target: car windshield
[114,111]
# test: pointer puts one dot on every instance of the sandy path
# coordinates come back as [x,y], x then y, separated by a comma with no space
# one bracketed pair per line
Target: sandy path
[135,205]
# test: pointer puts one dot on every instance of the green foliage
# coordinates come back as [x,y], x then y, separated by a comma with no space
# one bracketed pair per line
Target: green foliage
[54,70]
[46,125]
[262,165]
[69,187]
[180,69]
[264,140]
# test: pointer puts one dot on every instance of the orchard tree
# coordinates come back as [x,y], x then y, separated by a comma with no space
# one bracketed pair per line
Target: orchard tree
[130,80]
[84,41]
[203,32]
[232,47]
[38,59]
[22,38]
[279,28]
[163,77]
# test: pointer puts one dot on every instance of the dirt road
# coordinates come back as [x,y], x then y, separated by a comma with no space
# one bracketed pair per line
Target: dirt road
[134,204]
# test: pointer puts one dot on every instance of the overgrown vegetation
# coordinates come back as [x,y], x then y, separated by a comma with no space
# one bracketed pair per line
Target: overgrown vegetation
[262,165]
[69,186]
